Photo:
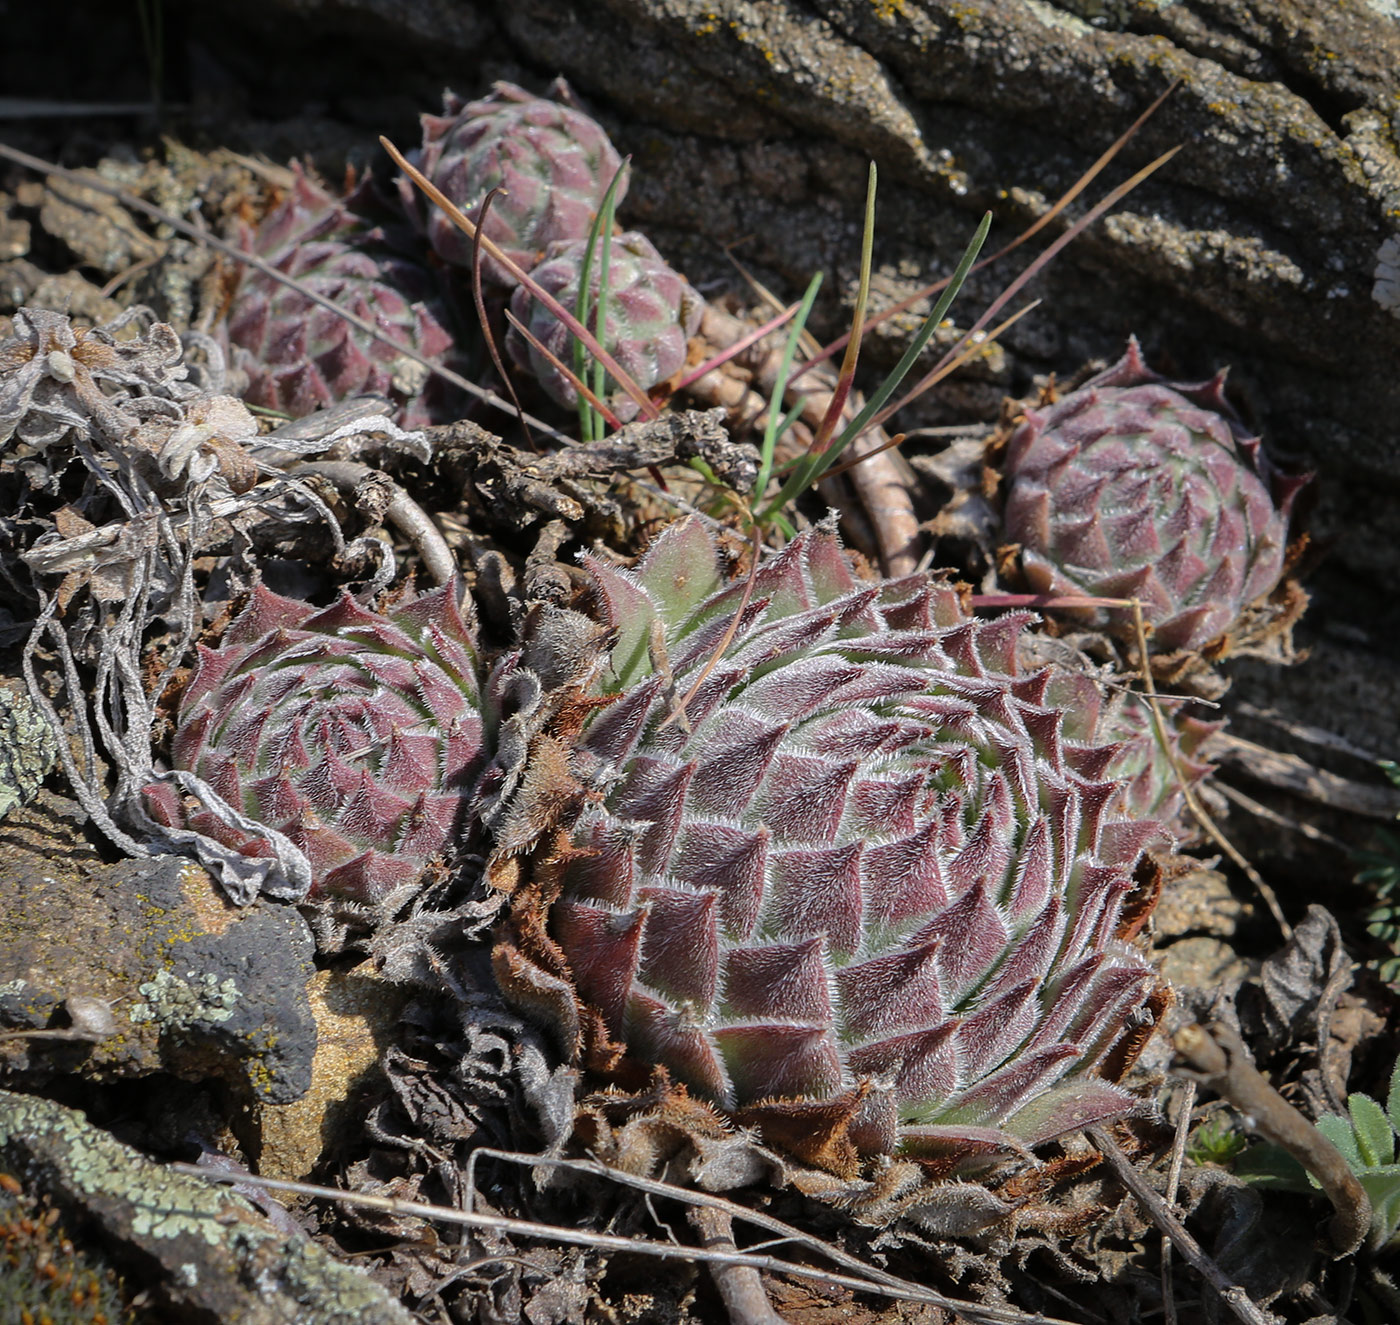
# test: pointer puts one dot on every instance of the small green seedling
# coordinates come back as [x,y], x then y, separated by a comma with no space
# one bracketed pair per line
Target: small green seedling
[1215,1142]
[1366,1137]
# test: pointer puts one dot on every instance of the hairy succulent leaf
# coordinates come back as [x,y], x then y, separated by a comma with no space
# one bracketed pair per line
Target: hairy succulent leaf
[357,736]
[871,863]
[1131,487]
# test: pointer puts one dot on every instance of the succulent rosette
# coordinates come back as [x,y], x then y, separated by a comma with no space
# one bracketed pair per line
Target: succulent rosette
[1153,767]
[300,356]
[553,163]
[357,737]
[652,312]
[856,880]
[1134,487]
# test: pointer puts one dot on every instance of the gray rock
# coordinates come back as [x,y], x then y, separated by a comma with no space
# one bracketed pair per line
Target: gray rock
[196,986]
[28,747]
[209,1253]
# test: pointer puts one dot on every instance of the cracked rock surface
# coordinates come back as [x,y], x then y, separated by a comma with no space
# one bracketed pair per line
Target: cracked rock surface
[194,985]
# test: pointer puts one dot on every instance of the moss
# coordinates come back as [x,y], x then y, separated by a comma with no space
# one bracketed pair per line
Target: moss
[44,1277]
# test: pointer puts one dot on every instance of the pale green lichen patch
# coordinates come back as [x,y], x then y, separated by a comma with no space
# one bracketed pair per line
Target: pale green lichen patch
[217,1255]
[178,1004]
[1057,18]
[28,748]
[165,1205]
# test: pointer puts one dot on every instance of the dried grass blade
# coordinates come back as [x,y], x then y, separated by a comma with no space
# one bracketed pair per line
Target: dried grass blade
[479,300]
[585,392]
[1029,232]
[733,351]
[957,363]
[620,375]
[1005,297]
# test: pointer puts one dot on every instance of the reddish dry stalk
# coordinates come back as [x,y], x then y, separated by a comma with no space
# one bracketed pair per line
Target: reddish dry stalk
[882,479]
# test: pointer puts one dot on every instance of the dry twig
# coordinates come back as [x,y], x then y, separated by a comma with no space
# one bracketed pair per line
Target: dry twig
[1239,1302]
[739,1285]
[1223,1062]
[405,514]
[1183,1128]
[901,1290]
[1193,803]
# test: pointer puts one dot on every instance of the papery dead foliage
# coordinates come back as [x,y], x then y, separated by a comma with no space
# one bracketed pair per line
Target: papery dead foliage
[166,468]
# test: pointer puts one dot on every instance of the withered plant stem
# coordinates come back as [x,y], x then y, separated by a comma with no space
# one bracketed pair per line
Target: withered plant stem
[972,1313]
[405,514]
[1183,1128]
[1233,1295]
[1220,1058]
[740,1286]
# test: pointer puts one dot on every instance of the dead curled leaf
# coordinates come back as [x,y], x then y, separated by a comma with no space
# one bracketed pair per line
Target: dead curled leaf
[104,558]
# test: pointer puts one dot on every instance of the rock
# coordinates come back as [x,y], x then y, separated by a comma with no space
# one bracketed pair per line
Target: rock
[28,747]
[206,1249]
[1199,903]
[356,1014]
[196,986]
[1202,963]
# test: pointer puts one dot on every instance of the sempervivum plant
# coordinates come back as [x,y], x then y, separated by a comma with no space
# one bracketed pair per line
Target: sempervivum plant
[357,737]
[1133,487]
[652,311]
[553,163]
[300,356]
[1153,773]
[859,883]
[1154,769]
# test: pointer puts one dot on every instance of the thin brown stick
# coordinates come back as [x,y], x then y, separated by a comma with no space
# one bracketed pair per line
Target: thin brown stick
[740,1286]
[973,1313]
[1183,1128]
[1232,1294]
[556,362]
[479,302]
[1219,1056]
[1193,803]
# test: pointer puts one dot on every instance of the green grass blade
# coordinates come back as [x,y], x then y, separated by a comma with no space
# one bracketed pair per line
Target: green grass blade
[808,471]
[776,427]
[589,420]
